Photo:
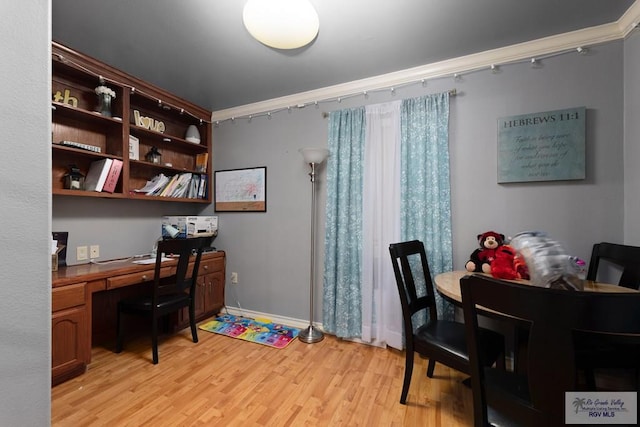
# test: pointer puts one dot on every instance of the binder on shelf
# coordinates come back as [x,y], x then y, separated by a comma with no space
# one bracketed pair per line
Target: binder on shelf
[97,175]
[193,187]
[201,162]
[202,189]
[114,174]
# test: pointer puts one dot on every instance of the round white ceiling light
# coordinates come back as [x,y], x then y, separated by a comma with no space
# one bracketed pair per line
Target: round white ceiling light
[281,24]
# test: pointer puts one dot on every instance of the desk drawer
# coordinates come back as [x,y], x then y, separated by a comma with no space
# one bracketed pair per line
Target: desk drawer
[209,266]
[67,296]
[136,278]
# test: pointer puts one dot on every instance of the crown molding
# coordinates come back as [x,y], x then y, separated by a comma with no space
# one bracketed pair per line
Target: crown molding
[630,19]
[539,48]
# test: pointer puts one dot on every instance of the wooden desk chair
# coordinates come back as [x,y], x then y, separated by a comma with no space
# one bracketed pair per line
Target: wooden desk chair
[537,397]
[170,294]
[439,340]
[598,352]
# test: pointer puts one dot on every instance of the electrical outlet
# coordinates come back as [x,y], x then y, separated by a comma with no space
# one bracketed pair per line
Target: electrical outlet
[234,278]
[81,253]
[94,251]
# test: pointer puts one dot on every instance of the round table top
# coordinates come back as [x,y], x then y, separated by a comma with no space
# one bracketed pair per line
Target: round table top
[448,284]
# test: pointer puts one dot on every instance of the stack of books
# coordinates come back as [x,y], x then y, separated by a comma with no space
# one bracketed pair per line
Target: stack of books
[103,175]
[183,185]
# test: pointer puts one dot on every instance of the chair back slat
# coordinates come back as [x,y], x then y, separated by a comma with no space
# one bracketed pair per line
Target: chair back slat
[402,255]
[624,256]
[184,278]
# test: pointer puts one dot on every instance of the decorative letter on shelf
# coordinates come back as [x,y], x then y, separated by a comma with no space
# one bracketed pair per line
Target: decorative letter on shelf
[148,122]
[547,146]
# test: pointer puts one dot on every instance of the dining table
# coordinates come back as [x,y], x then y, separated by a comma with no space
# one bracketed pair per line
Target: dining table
[448,285]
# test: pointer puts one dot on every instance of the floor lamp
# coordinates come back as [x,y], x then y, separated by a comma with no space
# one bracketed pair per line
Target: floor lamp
[313,156]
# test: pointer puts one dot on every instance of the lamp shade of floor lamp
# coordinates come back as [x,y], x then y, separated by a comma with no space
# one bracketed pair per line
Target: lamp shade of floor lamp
[314,157]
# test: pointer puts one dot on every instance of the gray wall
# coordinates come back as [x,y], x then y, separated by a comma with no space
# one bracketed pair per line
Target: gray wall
[25,194]
[136,228]
[632,138]
[270,251]
[576,213]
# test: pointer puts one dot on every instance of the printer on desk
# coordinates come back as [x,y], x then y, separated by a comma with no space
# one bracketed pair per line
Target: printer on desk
[189,226]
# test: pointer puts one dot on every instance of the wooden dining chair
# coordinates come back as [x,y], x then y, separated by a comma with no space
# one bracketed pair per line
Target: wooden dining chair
[625,257]
[536,397]
[167,294]
[440,340]
[598,352]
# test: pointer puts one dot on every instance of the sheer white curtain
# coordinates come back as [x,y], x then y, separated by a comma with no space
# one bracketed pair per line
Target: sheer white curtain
[381,311]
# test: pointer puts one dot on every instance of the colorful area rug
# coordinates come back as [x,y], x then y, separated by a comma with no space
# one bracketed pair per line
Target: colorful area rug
[261,332]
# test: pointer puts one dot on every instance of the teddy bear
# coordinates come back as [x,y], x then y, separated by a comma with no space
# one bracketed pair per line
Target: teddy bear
[481,258]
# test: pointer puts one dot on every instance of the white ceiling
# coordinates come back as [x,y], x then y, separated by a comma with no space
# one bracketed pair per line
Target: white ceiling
[200,51]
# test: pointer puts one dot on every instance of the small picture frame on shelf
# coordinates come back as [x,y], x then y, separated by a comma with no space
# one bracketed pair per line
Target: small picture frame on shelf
[134,148]
[241,190]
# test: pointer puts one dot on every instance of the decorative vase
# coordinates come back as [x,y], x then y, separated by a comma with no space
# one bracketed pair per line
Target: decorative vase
[104,104]
[192,135]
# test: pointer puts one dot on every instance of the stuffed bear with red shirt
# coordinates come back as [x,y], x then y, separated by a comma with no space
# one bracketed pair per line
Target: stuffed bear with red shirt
[481,258]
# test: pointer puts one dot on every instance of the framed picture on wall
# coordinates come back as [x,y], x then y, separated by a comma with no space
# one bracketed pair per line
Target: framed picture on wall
[545,146]
[241,190]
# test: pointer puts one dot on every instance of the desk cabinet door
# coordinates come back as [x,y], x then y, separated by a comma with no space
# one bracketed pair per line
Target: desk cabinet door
[68,343]
[201,290]
[214,292]
[209,298]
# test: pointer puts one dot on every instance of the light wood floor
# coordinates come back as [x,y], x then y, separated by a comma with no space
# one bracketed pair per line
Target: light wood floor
[227,382]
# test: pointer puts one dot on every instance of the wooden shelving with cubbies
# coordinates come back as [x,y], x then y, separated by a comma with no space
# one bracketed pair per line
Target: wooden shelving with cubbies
[82,133]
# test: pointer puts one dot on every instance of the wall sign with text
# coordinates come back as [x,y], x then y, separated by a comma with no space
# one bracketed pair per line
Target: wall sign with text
[546,146]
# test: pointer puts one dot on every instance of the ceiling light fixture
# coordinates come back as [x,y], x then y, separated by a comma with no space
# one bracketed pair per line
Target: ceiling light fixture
[281,24]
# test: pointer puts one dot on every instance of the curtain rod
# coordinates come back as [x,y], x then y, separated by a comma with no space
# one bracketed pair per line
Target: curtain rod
[451,92]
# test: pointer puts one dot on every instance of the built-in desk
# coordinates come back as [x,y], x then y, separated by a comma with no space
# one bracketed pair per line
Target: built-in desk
[84,299]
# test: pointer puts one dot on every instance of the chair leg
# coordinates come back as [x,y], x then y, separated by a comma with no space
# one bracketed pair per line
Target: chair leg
[501,362]
[408,371]
[192,321]
[431,367]
[119,332]
[154,340]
